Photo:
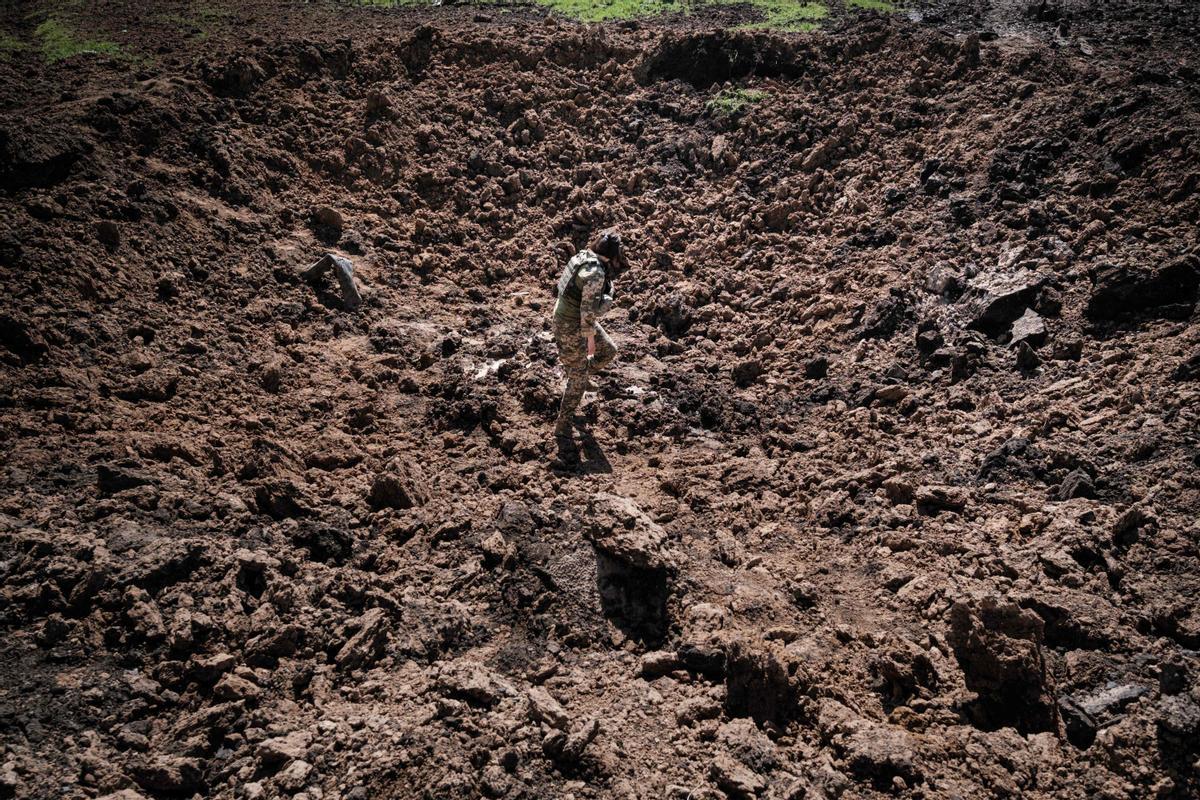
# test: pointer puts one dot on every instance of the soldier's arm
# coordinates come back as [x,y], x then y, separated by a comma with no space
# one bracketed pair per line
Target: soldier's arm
[592,277]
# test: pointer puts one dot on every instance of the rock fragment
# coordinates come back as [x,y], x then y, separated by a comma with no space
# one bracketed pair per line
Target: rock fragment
[735,778]
[626,533]
[544,708]
[279,750]
[1029,328]
[401,485]
[109,235]
[367,643]
[1001,300]
[1085,714]
[343,270]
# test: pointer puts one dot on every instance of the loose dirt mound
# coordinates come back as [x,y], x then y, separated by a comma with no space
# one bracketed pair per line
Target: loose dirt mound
[892,491]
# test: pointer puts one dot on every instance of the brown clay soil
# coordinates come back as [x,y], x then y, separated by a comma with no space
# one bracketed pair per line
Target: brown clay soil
[893,490]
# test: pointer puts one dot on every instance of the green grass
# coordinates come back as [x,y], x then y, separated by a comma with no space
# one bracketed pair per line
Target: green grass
[9,45]
[730,101]
[59,41]
[199,20]
[780,15]
[787,15]
[608,10]
[777,15]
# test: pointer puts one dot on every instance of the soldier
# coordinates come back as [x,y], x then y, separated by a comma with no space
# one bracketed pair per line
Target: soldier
[585,293]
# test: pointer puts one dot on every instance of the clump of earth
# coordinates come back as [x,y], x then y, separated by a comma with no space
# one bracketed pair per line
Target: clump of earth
[893,490]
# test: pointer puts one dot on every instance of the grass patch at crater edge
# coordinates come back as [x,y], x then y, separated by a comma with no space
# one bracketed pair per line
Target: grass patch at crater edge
[871,5]
[728,102]
[59,41]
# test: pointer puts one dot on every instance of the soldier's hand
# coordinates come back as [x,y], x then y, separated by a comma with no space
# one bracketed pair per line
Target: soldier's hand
[591,346]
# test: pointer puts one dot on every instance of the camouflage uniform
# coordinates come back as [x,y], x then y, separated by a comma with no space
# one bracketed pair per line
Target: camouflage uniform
[584,294]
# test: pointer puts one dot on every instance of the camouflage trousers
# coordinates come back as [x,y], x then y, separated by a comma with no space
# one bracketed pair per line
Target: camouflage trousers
[572,352]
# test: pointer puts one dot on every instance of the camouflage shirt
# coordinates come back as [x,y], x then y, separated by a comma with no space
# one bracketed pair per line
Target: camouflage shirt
[584,291]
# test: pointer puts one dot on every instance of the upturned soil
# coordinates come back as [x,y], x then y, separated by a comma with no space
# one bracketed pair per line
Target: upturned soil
[892,491]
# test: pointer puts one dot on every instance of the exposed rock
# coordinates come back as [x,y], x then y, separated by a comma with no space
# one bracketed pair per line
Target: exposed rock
[400,485]
[282,749]
[116,477]
[873,752]
[1000,300]
[152,386]
[108,235]
[935,499]
[617,527]
[472,682]
[658,662]
[1179,719]
[210,668]
[694,709]
[1085,714]
[21,339]
[294,776]
[569,748]
[544,708]
[329,217]
[232,687]
[1027,360]
[735,779]
[1077,483]
[816,368]
[343,271]
[368,641]
[170,775]
[1030,328]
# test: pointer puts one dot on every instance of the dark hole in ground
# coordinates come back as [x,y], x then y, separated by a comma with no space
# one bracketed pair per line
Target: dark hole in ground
[634,599]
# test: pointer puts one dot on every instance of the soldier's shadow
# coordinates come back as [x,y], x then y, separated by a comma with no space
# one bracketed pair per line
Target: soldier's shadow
[586,458]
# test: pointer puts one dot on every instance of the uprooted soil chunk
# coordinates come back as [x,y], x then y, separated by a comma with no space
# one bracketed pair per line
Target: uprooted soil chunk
[1122,292]
[634,567]
[763,683]
[400,485]
[999,648]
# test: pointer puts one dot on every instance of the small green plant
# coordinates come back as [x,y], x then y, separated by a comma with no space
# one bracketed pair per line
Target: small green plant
[871,5]
[9,45]
[59,41]
[730,101]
